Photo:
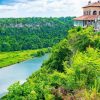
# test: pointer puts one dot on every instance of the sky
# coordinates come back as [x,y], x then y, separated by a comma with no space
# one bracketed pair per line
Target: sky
[41,8]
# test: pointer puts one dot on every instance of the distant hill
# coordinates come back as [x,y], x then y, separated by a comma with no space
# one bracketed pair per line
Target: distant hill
[32,33]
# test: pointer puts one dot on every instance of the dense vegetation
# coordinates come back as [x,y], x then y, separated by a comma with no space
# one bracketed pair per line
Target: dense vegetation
[32,33]
[9,58]
[71,73]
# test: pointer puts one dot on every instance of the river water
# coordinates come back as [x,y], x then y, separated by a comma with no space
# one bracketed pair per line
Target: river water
[19,72]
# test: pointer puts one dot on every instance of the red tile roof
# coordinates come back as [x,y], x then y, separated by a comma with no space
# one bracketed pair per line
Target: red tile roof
[96,4]
[87,17]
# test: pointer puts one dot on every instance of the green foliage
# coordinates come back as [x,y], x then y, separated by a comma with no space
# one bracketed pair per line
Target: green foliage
[32,33]
[85,68]
[9,58]
[72,72]
[39,53]
[60,53]
[80,40]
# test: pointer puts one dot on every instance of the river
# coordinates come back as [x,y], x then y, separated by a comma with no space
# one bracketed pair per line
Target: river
[19,72]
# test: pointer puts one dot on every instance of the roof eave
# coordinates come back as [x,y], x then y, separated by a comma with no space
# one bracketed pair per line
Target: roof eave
[90,6]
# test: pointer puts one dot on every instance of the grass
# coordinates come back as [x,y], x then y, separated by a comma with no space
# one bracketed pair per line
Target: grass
[9,58]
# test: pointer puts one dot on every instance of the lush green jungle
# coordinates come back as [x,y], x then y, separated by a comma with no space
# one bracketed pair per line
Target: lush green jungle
[71,73]
[32,33]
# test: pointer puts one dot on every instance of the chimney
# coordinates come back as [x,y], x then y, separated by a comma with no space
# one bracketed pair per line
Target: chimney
[89,2]
[98,1]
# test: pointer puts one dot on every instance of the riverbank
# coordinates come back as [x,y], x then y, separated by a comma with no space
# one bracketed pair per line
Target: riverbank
[9,58]
[19,72]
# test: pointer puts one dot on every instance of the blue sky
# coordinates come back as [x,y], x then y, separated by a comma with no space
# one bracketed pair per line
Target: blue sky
[41,8]
[6,2]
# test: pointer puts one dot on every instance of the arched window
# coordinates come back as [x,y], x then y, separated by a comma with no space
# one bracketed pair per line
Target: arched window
[89,12]
[94,12]
[84,13]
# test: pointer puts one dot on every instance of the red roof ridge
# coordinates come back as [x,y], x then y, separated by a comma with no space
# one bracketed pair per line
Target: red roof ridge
[87,17]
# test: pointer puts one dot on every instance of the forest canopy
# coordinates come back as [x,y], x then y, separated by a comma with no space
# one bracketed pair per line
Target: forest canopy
[32,33]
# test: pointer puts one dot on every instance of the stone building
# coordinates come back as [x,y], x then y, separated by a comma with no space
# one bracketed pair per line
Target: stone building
[91,16]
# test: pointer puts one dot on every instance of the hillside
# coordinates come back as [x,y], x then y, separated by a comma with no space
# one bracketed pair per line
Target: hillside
[71,73]
[32,33]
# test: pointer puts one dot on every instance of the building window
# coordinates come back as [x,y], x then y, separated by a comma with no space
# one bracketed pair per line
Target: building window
[94,12]
[84,13]
[89,12]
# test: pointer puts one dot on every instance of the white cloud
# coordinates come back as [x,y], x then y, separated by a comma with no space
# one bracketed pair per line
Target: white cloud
[26,8]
